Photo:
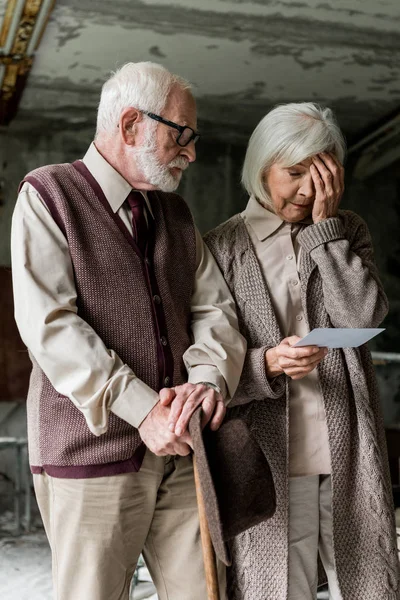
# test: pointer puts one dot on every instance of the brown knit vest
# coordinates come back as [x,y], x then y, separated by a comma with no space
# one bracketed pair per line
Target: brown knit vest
[118,294]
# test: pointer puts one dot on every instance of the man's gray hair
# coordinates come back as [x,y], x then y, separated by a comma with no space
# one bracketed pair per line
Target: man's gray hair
[287,135]
[142,85]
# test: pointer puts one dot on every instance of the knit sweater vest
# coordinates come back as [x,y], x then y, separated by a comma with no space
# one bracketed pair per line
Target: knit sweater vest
[138,305]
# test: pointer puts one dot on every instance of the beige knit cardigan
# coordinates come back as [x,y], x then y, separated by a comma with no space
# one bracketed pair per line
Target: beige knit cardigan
[340,287]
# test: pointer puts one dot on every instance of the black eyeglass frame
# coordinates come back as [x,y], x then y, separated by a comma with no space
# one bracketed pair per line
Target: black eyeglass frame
[181,128]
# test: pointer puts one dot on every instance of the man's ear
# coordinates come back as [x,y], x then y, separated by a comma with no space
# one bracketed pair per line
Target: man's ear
[127,125]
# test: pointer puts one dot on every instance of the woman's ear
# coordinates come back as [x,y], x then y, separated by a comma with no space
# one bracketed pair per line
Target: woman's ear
[127,125]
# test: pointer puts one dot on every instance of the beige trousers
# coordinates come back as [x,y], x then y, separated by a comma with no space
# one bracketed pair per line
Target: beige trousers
[98,527]
[310,532]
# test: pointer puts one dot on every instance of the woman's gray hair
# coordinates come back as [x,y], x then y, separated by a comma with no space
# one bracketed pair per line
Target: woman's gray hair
[287,135]
[143,85]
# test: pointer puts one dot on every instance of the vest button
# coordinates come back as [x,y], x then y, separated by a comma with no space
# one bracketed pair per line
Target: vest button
[157,299]
[147,261]
[167,381]
[163,340]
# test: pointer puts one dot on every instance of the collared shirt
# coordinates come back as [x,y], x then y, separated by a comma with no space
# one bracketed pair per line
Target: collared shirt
[72,355]
[278,253]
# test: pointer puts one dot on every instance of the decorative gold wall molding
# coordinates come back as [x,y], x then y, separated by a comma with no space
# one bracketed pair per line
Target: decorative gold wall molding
[14,45]
[11,7]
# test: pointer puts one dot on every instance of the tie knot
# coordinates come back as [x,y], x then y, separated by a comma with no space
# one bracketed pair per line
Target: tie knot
[135,199]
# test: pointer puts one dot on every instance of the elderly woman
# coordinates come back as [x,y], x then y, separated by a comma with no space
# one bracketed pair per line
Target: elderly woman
[293,262]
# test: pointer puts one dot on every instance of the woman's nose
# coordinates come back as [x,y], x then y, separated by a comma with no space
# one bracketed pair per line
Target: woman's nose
[307,188]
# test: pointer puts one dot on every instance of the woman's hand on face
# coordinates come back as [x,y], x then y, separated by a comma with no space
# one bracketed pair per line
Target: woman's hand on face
[328,178]
[295,362]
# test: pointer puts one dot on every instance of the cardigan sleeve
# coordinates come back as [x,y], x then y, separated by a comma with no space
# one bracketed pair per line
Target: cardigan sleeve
[342,249]
[254,383]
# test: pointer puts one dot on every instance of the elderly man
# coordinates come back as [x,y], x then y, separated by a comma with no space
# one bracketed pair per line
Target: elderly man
[115,294]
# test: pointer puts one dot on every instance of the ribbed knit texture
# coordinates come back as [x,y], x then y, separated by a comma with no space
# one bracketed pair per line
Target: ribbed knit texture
[340,287]
[113,297]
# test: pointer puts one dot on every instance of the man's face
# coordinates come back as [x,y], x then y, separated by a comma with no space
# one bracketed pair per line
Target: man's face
[160,159]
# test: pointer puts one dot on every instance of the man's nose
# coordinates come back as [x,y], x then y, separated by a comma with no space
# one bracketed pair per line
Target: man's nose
[189,152]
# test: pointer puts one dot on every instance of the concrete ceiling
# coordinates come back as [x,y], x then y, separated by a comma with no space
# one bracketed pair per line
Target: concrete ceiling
[242,55]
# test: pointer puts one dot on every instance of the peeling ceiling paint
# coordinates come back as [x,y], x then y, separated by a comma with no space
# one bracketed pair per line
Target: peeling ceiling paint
[243,56]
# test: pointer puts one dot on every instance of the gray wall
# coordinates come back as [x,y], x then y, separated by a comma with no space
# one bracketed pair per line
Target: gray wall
[377,200]
[20,152]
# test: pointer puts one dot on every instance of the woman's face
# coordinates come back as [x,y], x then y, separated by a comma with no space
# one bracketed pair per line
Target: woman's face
[291,190]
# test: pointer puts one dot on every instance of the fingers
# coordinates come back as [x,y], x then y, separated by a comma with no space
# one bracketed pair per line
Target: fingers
[291,341]
[319,207]
[219,414]
[333,163]
[318,182]
[180,448]
[326,176]
[166,396]
[286,347]
[298,362]
[186,438]
[182,395]
[181,445]
[154,433]
[175,412]
[331,175]
[304,362]
[300,372]
[337,170]
[209,405]
[173,447]
[286,351]
[163,443]
[199,394]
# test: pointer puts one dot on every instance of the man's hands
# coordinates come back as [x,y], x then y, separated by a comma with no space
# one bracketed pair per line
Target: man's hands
[295,362]
[184,399]
[164,430]
[328,177]
[158,438]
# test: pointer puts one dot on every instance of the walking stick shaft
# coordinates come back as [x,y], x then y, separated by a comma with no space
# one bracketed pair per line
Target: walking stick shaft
[210,564]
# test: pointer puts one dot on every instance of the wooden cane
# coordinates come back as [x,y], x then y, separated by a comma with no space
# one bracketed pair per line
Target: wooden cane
[210,564]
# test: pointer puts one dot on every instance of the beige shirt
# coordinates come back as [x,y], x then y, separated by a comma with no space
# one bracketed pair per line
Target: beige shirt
[70,352]
[278,252]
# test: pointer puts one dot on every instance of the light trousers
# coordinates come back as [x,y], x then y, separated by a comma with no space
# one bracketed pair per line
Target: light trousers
[98,527]
[310,532]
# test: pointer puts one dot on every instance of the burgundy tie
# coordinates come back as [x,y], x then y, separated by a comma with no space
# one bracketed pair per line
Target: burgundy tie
[139,223]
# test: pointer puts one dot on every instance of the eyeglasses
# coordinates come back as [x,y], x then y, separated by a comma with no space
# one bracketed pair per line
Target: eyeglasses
[186,134]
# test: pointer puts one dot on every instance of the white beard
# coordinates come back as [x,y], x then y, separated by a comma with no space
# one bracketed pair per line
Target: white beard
[153,171]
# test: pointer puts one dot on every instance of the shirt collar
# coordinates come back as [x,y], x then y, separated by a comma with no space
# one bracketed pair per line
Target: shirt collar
[114,186]
[263,222]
